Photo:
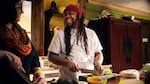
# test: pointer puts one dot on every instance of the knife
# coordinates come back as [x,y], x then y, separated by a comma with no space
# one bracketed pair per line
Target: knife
[88,71]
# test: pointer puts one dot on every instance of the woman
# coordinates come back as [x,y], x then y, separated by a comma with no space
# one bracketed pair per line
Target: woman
[15,40]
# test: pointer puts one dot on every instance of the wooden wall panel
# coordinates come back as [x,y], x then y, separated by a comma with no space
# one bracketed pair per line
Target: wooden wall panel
[37,25]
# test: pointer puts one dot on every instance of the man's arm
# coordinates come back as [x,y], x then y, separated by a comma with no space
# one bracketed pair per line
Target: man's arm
[98,62]
[98,58]
[62,61]
[56,59]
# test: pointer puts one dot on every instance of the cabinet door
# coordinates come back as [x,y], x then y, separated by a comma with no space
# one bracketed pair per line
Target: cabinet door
[125,45]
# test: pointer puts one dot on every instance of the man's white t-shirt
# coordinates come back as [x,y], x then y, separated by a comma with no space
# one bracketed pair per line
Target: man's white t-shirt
[78,54]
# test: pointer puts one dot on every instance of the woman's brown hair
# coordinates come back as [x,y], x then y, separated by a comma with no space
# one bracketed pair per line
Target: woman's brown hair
[8,11]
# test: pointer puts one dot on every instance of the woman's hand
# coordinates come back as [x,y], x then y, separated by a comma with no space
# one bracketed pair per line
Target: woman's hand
[39,76]
[40,80]
[15,60]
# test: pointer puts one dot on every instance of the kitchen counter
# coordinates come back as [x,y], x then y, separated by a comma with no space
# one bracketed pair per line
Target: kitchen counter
[52,72]
[109,81]
[129,81]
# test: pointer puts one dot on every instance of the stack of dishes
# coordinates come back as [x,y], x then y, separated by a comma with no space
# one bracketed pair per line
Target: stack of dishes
[130,73]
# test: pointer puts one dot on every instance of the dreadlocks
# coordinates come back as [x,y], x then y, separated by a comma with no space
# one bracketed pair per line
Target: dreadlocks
[80,34]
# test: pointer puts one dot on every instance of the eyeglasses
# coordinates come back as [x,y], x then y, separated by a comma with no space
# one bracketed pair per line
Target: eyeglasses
[19,6]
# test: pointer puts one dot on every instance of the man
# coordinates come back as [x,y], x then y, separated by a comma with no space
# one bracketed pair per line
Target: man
[75,47]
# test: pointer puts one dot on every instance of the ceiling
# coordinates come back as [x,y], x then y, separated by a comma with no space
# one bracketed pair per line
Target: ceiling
[141,5]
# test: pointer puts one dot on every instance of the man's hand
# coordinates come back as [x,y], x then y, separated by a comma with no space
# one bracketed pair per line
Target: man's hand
[72,66]
[99,69]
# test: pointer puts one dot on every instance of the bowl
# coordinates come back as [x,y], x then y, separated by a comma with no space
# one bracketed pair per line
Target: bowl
[96,80]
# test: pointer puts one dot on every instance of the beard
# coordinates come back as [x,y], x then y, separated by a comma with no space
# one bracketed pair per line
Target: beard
[71,23]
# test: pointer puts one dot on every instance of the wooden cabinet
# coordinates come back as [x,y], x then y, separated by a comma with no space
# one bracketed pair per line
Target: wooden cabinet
[125,44]
[122,42]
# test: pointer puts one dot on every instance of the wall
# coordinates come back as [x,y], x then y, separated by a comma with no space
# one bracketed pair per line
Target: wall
[94,7]
[47,3]
[92,10]
[57,19]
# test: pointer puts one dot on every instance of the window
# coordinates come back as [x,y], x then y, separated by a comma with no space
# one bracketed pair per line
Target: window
[25,20]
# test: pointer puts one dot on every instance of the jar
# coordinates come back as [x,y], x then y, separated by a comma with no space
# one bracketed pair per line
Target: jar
[147,77]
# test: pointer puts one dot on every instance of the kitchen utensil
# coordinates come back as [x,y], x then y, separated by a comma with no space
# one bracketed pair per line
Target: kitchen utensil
[87,71]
